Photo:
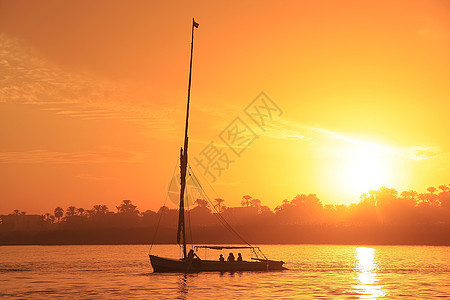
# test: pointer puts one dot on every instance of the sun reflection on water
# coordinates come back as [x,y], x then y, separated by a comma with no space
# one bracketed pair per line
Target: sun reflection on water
[367,279]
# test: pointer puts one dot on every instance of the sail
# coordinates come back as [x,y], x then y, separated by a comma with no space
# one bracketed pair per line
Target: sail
[181,232]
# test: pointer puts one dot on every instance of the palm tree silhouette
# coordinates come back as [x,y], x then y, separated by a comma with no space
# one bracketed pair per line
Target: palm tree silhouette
[219,202]
[431,190]
[58,213]
[71,211]
[433,199]
[444,188]
[100,209]
[410,195]
[246,200]
[126,207]
[80,211]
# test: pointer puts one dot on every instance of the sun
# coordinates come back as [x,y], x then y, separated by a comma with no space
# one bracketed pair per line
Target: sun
[348,168]
[362,168]
[365,169]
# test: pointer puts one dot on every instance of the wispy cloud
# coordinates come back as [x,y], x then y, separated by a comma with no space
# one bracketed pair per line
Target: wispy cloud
[232,183]
[97,156]
[351,140]
[94,178]
[26,79]
[283,129]
[422,153]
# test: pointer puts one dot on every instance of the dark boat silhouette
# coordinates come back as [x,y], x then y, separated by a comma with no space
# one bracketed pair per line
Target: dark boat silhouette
[190,262]
[161,264]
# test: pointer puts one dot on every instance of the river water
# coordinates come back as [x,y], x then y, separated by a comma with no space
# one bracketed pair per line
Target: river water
[315,271]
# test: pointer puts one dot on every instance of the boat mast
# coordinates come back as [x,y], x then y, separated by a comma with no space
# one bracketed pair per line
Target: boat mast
[181,233]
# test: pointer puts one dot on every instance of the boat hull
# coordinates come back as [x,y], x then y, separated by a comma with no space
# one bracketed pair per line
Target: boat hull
[161,264]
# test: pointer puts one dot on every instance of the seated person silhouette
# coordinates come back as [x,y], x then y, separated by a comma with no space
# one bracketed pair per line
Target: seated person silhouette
[239,258]
[221,258]
[230,257]
[191,255]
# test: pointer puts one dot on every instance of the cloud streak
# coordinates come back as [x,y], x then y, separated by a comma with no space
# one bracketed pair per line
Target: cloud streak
[283,129]
[26,79]
[419,153]
[98,156]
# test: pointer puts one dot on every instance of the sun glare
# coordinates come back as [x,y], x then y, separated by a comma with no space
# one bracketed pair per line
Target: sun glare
[366,274]
[365,169]
[359,168]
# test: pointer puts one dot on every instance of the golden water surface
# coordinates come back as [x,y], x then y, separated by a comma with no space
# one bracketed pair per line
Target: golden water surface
[315,271]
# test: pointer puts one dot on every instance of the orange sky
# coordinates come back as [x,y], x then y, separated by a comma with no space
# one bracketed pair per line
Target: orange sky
[92,98]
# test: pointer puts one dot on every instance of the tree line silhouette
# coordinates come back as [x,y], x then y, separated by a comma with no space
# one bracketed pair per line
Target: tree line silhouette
[382,216]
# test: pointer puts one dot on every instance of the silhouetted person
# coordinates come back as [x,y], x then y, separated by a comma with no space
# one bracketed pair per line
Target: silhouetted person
[221,258]
[191,255]
[230,257]
[239,258]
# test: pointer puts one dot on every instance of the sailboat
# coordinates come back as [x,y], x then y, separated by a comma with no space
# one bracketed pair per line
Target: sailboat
[190,262]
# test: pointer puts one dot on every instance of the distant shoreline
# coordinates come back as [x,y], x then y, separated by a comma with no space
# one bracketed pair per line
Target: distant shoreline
[258,244]
[418,235]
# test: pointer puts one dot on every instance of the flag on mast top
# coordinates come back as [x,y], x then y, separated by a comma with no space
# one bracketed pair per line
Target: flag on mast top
[195,24]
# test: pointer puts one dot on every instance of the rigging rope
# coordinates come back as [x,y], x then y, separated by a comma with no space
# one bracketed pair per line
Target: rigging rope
[164,205]
[217,195]
[232,216]
[217,214]
[189,218]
